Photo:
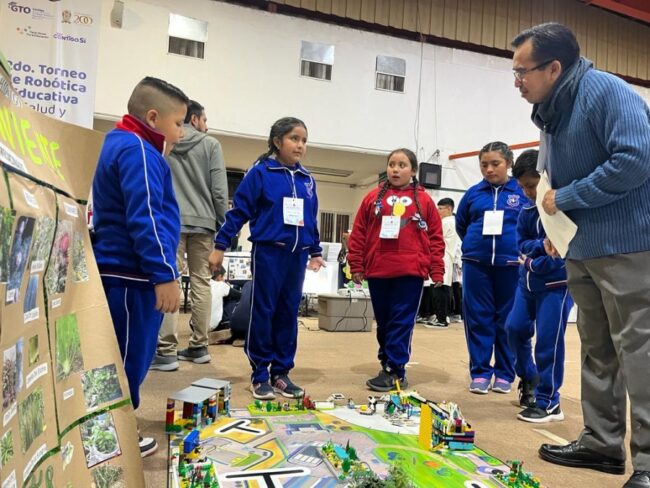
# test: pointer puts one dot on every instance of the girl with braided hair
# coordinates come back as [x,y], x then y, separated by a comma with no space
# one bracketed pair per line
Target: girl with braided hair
[486,221]
[396,243]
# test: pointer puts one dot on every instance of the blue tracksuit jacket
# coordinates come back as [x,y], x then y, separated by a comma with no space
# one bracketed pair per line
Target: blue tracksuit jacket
[490,250]
[259,199]
[136,217]
[540,271]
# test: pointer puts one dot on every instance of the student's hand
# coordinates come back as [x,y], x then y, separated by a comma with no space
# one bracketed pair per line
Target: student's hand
[437,284]
[550,248]
[522,259]
[316,264]
[167,297]
[357,278]
[215,259]
[548,203]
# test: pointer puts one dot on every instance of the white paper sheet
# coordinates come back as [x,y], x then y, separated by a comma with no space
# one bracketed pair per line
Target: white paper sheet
[559,228]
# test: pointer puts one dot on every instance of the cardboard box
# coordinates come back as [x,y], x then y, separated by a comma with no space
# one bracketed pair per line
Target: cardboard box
[337,313]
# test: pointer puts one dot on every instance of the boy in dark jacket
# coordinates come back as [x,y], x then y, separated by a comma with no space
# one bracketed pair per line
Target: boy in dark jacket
[542,306]
[137,225]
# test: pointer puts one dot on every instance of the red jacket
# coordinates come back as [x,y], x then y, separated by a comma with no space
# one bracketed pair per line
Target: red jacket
[416,252]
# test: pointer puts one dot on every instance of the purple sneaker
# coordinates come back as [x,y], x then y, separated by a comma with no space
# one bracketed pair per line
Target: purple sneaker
[480,386]
[501,386]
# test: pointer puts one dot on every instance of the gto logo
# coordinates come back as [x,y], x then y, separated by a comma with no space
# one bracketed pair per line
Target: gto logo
[14,7]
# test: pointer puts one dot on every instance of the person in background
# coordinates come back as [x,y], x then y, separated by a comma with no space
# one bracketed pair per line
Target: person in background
[201,186]
[442,295]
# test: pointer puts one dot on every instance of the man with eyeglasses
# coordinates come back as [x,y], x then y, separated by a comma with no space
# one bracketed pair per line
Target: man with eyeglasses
[595,146]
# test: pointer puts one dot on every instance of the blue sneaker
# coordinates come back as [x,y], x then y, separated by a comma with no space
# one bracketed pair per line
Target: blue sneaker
[480,386]
[501,386]
[285,387]
[262,391]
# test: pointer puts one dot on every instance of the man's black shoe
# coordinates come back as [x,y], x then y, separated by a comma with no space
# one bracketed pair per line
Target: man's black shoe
[640,479]
[576,456]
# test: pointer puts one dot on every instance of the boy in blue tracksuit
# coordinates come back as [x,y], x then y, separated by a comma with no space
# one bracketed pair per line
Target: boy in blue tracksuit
[137,225]
[486,221]
[278,197]
[542,306]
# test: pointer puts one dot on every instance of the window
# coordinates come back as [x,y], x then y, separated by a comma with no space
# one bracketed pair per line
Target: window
[333,225]
[316,60]
[391,73]
[234,178]
[187,36]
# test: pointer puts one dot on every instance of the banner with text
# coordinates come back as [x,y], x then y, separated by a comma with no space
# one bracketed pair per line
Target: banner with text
[52,49]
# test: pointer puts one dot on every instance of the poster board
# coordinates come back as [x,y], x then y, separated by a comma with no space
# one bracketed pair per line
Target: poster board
[66,415]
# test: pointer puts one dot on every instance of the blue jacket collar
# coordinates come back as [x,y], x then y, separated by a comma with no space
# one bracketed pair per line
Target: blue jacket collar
[274,164]
[511,184]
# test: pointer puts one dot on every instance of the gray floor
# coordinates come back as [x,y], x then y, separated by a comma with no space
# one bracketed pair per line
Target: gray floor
[329,362]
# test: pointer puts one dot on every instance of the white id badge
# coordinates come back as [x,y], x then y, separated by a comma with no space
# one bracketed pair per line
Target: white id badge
[389,227]
[292,211]
[493,223]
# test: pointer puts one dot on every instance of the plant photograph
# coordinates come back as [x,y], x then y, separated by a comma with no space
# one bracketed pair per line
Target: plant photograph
[57,272]
[6,449]
[79,267]
[6,223]
[99,438]
[43,235]
[32,350]
[30,295]
[68,347]
[18,258]
[31,416]
[108,476]
[12,373]
[100,385]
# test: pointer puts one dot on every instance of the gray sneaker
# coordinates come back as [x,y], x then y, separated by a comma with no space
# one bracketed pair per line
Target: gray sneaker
[198,355]
[164,363]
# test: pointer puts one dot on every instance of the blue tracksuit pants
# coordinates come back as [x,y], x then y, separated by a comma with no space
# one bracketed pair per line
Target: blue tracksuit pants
[544,314]
[488,294]
[395,302]
[137,323]
[278,276]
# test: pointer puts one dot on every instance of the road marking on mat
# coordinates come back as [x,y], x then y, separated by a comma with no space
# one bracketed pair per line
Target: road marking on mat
[553,437]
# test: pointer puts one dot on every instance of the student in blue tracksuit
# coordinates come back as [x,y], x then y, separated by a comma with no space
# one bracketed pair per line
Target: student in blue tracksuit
[137,225]
[278,197]
[542,306]
[486,221]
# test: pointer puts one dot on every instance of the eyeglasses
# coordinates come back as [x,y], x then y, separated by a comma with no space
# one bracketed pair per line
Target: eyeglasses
[521,72]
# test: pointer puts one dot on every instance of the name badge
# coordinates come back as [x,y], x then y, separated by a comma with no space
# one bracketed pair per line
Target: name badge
[389,227]
[493,223]
[293,211]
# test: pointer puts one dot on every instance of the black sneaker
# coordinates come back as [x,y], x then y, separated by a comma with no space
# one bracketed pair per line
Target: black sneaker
[148,446]
[283,385]
[386,381]
[198,355]
[538,415]
[262,391]
[526,393]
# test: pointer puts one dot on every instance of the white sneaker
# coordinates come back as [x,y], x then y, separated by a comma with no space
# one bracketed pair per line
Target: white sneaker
[148,446]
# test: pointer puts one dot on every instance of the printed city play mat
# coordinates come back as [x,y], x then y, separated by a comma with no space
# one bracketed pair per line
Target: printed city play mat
[289,451]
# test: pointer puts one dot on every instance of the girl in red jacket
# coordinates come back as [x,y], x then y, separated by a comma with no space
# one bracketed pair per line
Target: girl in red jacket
[396,243]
